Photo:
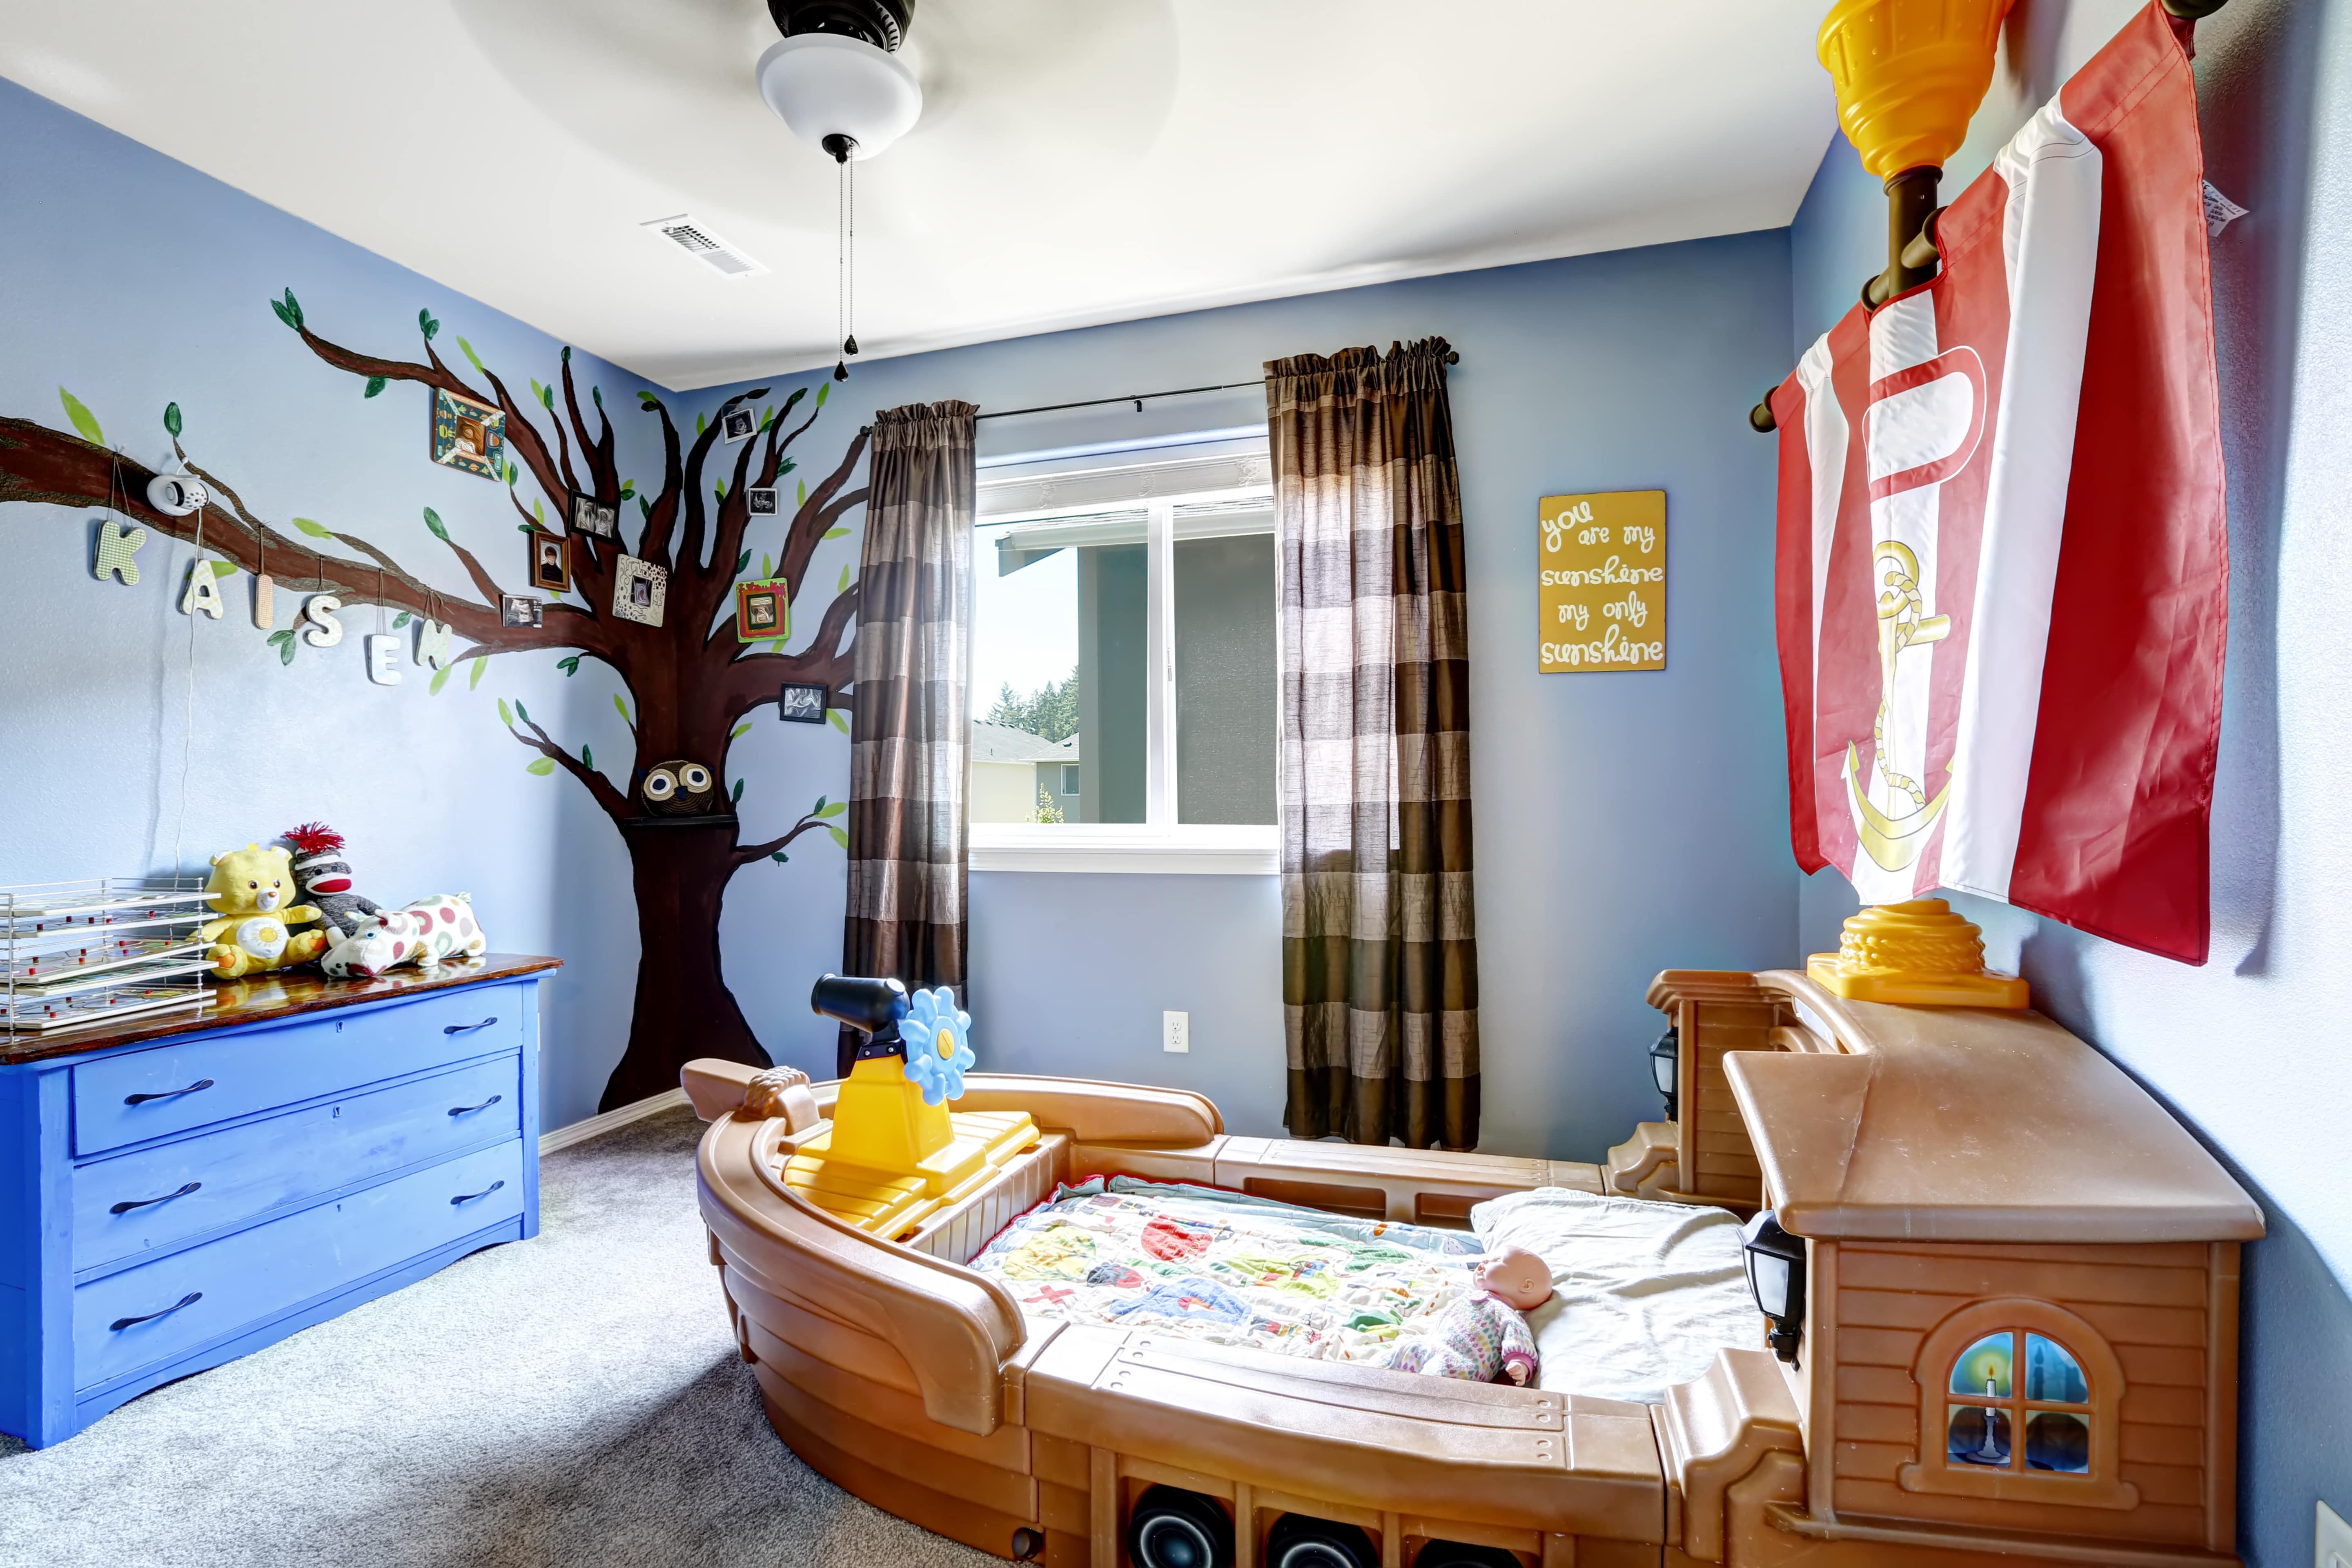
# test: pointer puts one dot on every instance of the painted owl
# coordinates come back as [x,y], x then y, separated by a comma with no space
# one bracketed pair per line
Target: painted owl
[680,789]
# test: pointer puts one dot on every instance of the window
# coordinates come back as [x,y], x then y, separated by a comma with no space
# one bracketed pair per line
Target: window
[1124,659]
[2051,1405]
[2020,1401]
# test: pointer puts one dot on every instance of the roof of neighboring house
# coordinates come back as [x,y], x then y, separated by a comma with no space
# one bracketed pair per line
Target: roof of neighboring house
[1003,743]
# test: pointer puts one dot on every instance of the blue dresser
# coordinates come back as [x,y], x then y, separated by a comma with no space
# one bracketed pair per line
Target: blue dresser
[176,1196]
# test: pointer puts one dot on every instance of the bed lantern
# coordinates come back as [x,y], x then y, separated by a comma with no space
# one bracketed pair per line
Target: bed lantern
[1776,1273]
[1665,1063]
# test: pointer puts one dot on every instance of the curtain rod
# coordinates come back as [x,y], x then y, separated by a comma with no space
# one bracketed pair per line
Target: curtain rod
[1138,398]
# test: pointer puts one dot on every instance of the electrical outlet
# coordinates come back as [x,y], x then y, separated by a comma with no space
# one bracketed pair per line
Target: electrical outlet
[2334,1549]
[1176,1034]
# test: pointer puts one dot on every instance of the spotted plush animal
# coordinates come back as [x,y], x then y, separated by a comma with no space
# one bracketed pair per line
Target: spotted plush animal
[426,933]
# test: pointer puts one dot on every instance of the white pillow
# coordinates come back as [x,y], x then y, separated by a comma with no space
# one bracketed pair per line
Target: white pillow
[1646,1292]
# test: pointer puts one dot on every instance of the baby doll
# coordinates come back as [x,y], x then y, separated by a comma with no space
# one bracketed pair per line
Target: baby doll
[1484,1334]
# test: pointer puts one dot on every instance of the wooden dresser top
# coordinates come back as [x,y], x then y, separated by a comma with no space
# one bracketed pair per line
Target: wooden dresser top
[277,994]
[1970,1124]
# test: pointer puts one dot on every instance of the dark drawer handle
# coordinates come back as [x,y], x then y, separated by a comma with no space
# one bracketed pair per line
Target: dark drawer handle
[190,1300]
[167,1094]
[466,1028]
[129,1204]
[470,1110]
[485,1192]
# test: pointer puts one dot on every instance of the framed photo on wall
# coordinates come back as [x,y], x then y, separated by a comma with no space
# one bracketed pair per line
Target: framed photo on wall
[741,425]
[521,609]
[593,518]
[763,610]
[803,704]
[761,500]
[467,435]
[551,561]
[640,588]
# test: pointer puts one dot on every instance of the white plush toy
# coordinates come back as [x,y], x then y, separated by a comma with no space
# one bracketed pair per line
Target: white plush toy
[424,933]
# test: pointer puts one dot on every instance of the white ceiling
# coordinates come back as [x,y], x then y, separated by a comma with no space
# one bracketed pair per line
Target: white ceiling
[1078,161]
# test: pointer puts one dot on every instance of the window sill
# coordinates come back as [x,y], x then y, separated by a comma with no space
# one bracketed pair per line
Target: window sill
[1238,851]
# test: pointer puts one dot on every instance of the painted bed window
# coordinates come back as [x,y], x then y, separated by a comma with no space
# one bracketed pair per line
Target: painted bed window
[2050,1406]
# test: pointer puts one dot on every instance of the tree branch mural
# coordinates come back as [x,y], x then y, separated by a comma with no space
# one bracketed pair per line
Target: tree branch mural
[690,680]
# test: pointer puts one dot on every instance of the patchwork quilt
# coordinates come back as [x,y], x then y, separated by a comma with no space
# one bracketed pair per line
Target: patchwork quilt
[1228,1267]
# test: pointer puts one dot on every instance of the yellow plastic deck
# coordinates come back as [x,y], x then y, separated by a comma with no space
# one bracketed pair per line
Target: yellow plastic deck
[891,1205]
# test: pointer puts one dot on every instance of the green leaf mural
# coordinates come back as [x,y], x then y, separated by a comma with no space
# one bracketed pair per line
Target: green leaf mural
[739,730]
[779,858]
[223,571]
[818,809]
[401,620]
[570,666]
[700,425]
[836,533]
[587,757]
[284,643]
[835,809]
[505,717]
[839,837]
[623,704]
[822,391]
[375,384]
[172,418]
[843,588]
[471,357]
[476,679]
[628,488]
[522,711]
[743,561]
[542,766]
[736,794]
[801,495]
[833,716]
[315,530]
[426,324]
[83,420]
[433,521]
[440,679]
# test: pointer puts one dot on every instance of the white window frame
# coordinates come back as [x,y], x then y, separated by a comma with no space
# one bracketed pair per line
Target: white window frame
[1160,844]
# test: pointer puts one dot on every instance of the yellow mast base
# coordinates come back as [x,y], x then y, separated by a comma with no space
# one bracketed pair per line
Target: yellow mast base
[1917,953]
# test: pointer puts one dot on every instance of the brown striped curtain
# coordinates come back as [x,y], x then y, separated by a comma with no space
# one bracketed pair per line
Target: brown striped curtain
[1380,963]
[910,746]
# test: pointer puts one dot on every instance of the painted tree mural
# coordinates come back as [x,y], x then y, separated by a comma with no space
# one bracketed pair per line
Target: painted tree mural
[690,680]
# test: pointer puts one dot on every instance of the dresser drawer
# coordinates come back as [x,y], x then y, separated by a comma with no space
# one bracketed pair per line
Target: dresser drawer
[133,1319]
[171,1088]
[213,1179]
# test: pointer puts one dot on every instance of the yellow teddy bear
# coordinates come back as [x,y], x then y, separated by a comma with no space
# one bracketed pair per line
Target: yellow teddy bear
[252,889]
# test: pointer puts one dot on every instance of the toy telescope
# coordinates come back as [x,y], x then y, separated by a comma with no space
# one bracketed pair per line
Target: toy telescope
[871,1007]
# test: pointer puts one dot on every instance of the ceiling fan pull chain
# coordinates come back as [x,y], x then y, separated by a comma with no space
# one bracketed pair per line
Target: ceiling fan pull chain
[849,331]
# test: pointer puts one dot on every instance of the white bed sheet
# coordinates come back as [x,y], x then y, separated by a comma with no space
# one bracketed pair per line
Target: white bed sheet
[1646,1292]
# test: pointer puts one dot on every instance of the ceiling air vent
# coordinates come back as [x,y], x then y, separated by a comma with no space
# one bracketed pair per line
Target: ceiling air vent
[696,241]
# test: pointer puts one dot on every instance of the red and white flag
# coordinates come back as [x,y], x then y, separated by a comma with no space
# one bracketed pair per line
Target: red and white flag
[2003,563]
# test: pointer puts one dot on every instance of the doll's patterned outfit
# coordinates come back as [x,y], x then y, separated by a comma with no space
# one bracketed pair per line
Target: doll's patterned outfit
[1477,1339]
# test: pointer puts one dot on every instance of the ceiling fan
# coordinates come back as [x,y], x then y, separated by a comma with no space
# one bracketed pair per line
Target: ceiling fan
[836,77]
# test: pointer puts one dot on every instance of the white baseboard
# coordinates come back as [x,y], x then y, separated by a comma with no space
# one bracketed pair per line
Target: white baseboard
[597,1126]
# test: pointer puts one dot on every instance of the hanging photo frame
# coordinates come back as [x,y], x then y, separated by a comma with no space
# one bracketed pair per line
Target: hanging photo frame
[761,499]
[802,703]
[740,425]
[763,610]
[467,435]
[639,590]
[595,518]
[521,609]
[551,561]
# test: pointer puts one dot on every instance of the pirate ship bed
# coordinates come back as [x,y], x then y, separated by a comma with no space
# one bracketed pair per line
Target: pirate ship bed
[2015,1329]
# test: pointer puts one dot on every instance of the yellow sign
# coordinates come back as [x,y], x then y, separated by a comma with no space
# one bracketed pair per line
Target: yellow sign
[1602,597]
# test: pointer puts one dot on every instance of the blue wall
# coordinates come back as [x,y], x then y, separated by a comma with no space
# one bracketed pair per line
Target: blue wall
[1625,822]
[2246,1049]
[133,281]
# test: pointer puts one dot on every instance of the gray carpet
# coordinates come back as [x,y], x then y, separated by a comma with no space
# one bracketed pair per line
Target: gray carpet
[573,1399]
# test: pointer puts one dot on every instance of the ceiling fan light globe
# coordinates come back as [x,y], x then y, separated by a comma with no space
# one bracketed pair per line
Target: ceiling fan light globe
[820,85]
